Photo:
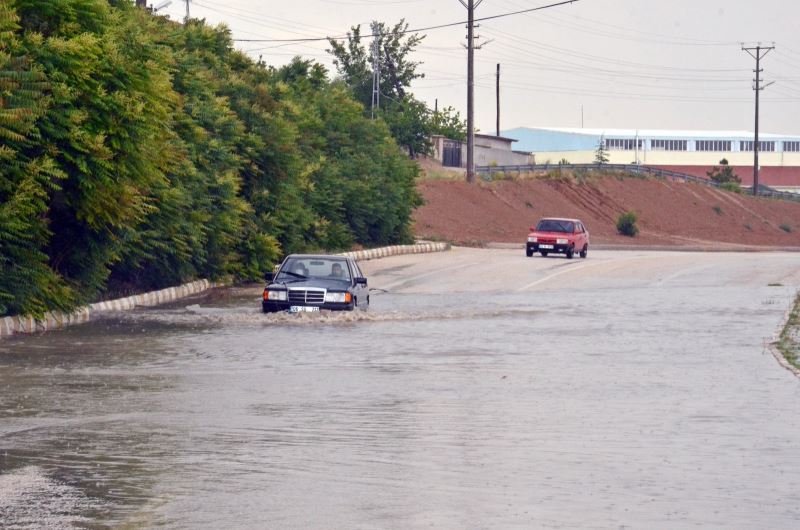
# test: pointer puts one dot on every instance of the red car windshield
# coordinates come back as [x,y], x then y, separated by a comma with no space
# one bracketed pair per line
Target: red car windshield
[554,225]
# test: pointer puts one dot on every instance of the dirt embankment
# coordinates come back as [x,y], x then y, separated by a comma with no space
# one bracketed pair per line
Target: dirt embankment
[670,213]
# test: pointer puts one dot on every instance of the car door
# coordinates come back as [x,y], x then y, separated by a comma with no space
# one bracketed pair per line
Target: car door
[360,292]
[580,236]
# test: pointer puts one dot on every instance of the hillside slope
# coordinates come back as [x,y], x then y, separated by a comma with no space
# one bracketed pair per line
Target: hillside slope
[670,213]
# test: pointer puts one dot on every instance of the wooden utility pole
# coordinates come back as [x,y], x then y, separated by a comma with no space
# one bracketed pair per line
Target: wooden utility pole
[471,90]
[498,99]
[470,5]
[758,55]
[141,3]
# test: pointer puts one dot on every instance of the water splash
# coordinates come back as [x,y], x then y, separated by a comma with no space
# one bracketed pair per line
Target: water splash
[31,499]
[230,316]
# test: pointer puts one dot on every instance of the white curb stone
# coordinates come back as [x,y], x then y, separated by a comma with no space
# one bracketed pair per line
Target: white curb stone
[57,319]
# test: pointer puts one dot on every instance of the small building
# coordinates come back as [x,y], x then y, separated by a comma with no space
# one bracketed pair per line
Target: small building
[692,152]
[489,151]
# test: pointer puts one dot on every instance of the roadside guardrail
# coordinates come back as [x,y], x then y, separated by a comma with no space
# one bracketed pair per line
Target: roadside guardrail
[763,191]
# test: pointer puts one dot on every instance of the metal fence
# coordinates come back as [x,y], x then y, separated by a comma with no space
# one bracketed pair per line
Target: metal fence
[763,191]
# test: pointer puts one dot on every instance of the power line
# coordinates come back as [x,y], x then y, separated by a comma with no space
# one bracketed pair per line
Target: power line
[628,95]
[251,17]
[598,58]
[429,28]
[590,26]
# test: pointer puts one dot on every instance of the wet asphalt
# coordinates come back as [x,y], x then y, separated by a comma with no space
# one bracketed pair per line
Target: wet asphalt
[483,389]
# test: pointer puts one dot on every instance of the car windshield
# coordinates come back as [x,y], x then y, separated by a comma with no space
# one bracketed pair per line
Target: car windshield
[314,268]
[555,225]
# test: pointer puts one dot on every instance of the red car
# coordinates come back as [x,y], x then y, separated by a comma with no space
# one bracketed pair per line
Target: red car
[561,236]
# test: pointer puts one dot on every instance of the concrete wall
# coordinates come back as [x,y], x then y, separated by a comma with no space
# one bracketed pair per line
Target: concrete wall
[501,157]
[494,142]
[489,150]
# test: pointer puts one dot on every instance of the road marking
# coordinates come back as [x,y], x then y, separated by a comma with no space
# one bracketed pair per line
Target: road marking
[559,273]
[431,273]
[580,267]
[684,272]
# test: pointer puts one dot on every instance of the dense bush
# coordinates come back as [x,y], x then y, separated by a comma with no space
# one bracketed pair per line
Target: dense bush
[626,224]
[137,153]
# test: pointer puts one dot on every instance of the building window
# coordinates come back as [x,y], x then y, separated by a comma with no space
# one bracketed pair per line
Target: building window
[762,146]
[668,145]
[713,145]
[622,144]
[791,147]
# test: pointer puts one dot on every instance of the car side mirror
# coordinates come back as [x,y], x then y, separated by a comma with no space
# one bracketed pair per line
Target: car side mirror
[270,276]
[361,281]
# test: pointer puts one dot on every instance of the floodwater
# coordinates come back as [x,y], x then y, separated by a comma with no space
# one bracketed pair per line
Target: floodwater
[483,389]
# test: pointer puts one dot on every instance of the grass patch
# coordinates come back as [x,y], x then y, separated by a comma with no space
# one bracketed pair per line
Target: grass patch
[717,208]
[774,285]
[786,228]
[748,227]
[789,340]
[732,186]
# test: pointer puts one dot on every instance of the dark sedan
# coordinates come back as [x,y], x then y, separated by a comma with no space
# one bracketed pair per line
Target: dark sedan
[310,282]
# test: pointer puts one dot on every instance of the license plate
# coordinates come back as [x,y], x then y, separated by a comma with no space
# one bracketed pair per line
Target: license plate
[303,309]
[546,246]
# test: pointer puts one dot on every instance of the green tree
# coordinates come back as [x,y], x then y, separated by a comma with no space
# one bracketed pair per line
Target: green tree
[364,190]
[354,60]
[448,123]
[723,174]
[27,180]
[410,120]
[137,153]
[601,153]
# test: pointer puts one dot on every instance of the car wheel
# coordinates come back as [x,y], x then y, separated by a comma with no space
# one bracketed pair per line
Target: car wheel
[543,253]
[585,251]
[570,253]
[529,252]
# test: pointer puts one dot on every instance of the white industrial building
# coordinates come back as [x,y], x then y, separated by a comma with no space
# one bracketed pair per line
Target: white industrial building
[694,152]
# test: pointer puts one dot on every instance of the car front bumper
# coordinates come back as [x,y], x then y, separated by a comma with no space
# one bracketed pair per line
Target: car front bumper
[271,306]
[557,249]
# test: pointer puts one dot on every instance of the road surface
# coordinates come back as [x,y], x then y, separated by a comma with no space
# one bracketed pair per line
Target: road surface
[482,390]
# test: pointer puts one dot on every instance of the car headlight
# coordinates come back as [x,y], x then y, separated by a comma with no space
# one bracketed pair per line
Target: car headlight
[338,298]
[279,296]
[532,239]
[562,241]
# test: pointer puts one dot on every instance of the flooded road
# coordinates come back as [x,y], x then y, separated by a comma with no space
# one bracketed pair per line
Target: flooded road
[482,390]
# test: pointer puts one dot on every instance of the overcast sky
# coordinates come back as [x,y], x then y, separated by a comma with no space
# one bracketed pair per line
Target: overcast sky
[649,64]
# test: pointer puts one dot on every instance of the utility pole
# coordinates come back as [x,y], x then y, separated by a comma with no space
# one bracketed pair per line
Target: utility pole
[498,99]
[186,20]
[760,53]
[141,3]
[470,5]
